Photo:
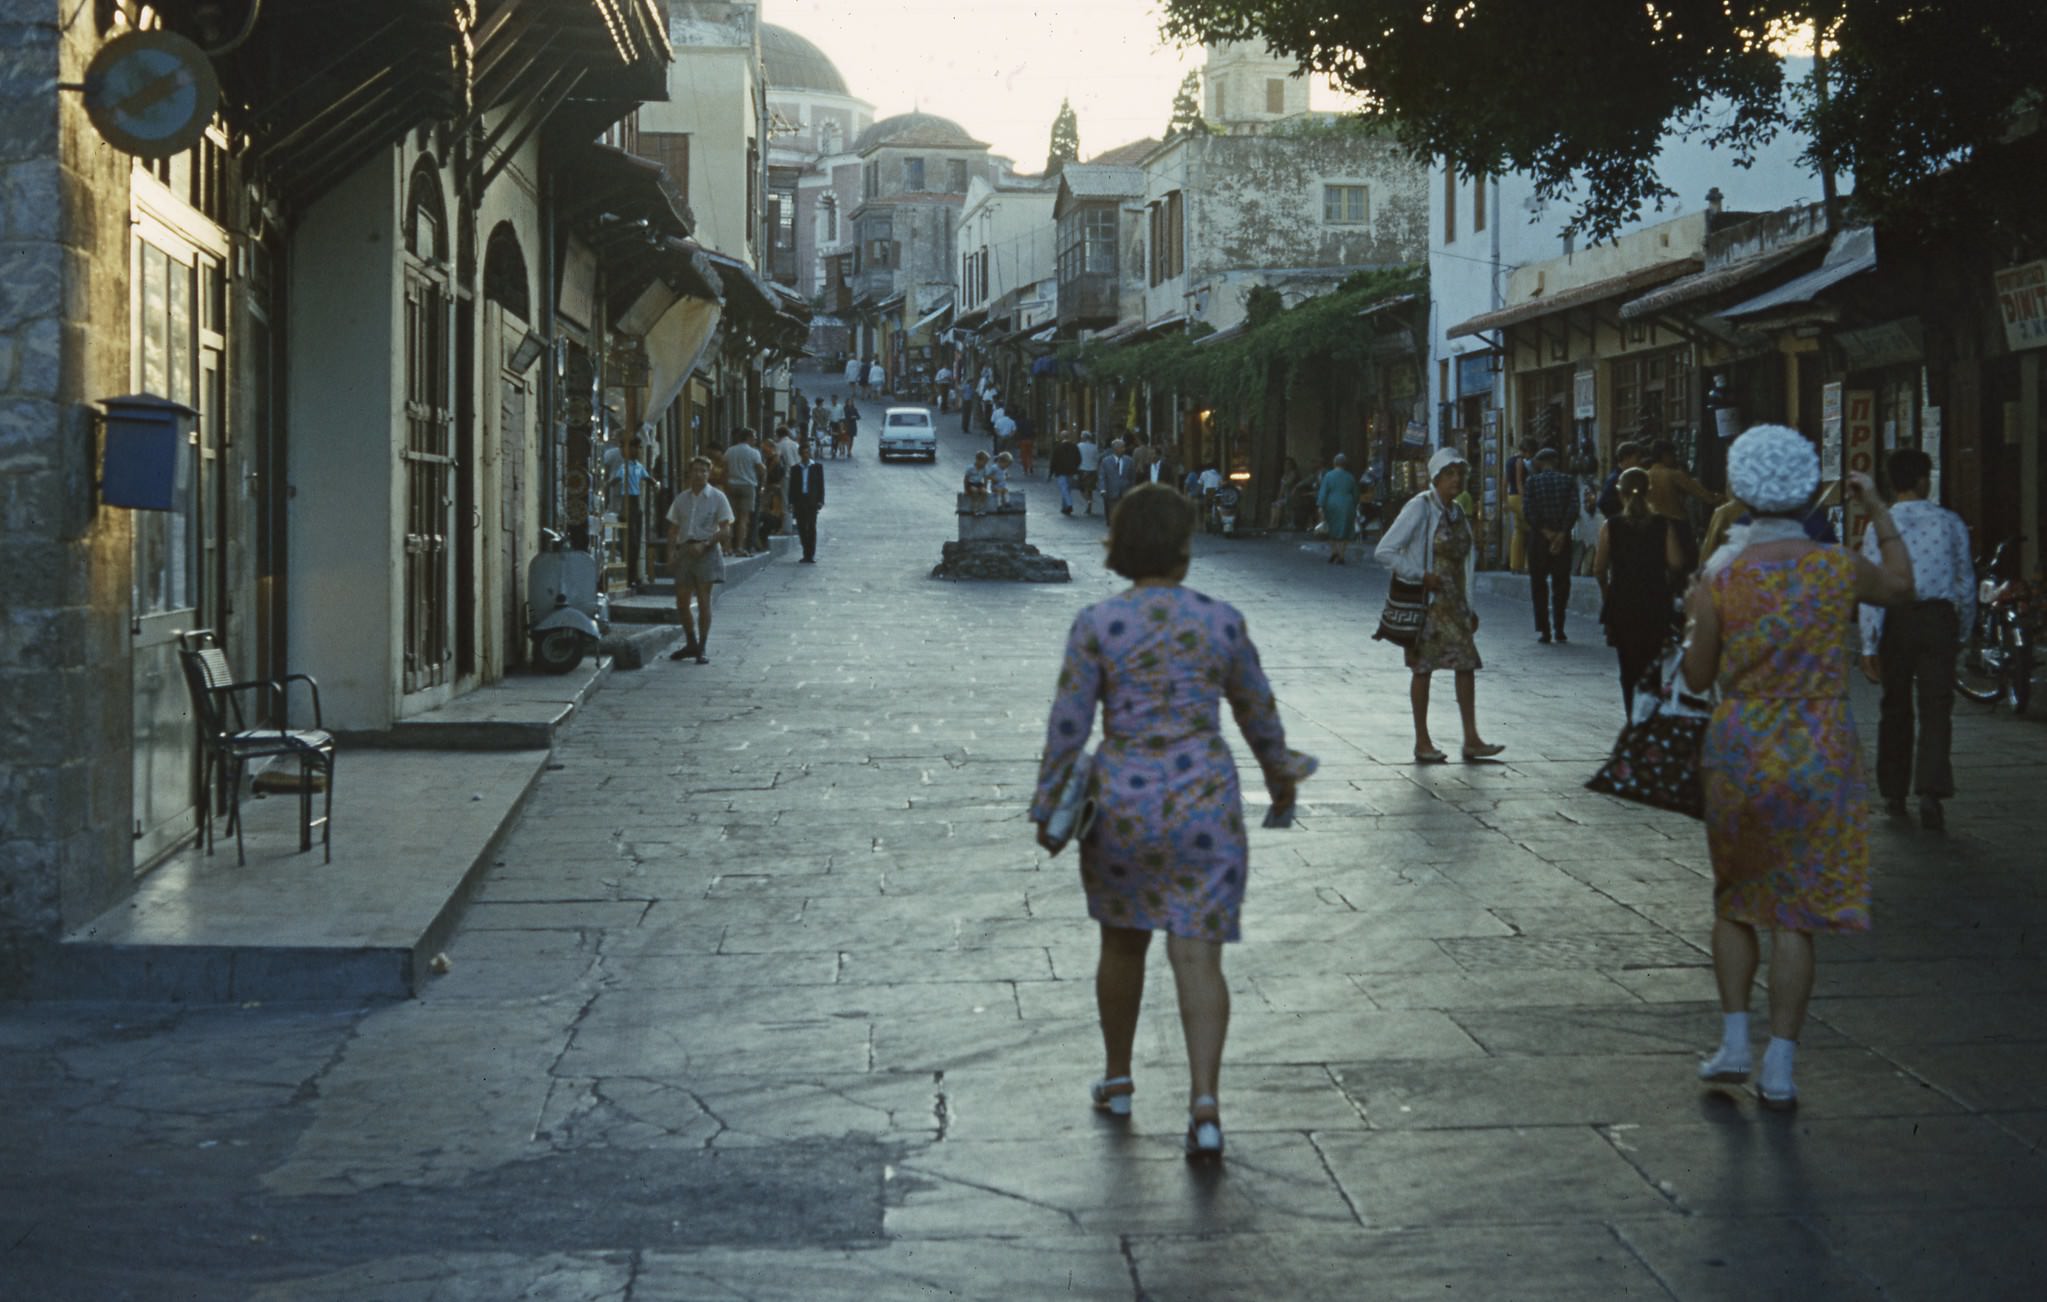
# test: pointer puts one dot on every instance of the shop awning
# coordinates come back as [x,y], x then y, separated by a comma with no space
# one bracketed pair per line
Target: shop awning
[1120,331]
[752,303]
[1046,335]
[1387,304]
[1717,280]
[931,317]
[610,190]
[674,346]
[1852,252]
[1632,282]
[1222,336]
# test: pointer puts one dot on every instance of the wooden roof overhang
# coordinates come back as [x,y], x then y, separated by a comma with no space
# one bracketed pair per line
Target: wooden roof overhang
[319,88]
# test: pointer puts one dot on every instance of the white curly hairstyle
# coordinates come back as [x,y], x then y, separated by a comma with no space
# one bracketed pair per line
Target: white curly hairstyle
[1774,469]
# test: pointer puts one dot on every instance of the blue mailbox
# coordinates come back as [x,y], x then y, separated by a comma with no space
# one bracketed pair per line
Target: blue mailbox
[148,464]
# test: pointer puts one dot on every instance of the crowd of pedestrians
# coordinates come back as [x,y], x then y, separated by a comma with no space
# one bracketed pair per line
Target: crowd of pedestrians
[1765,624]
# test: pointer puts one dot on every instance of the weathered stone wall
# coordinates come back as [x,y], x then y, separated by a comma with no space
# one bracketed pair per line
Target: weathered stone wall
[65,775]
[1260,202]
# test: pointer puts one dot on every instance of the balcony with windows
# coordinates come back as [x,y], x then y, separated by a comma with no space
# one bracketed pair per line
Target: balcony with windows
[1089,274]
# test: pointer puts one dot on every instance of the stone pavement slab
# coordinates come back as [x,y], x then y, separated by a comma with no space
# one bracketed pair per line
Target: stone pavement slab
[768,994]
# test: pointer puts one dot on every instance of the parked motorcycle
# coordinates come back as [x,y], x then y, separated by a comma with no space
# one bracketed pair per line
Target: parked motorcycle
[1996,660]
[566,603]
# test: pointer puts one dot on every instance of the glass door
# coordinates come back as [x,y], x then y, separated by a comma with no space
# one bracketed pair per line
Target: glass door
[177,576]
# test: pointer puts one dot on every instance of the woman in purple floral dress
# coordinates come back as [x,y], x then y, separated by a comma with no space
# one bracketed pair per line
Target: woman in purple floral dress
[1167,849]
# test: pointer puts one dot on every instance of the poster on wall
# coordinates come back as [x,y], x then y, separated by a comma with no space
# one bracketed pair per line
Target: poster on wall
[1859,441]
[2022,301]
[1584,399]
[1830,429]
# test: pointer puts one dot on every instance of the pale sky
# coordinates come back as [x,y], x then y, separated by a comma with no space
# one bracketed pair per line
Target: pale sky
[1000,67]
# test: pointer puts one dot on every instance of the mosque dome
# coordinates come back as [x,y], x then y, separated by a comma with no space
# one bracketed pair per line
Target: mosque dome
[924,130]
[793,63]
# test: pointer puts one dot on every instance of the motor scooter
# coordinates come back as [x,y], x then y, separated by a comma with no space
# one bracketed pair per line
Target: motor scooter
[1996,658]
[563,596]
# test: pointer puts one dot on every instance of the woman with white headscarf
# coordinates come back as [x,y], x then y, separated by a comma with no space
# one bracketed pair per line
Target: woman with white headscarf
[1431,543]
[1771,621]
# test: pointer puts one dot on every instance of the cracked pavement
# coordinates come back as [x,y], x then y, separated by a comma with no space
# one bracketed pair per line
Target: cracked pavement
[771,996]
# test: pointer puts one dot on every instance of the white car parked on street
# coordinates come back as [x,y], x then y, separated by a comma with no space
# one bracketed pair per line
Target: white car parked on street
[908,432]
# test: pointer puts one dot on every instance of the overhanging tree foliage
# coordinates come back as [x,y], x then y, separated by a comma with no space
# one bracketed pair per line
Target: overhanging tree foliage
[1065,147]
[1578,93]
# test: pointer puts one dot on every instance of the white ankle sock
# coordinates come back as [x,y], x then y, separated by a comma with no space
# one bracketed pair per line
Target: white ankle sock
[1734,1033]
[1778,1060]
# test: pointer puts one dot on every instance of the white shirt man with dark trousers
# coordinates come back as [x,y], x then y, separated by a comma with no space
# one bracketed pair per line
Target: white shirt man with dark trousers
[1911,649]
[699,523]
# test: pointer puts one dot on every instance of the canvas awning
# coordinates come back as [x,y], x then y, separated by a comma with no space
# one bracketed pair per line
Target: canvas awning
[926,320]
[1631,282]
[1852,252]
[1120,331]
[674,346]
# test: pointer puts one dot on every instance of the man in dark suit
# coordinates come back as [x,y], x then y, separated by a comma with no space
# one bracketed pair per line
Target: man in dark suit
[806,499]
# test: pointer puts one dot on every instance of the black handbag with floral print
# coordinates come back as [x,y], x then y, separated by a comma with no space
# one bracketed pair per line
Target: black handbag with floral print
[1656,760]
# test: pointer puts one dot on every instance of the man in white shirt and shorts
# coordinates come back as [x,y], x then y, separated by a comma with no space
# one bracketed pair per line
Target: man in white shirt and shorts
[699,523]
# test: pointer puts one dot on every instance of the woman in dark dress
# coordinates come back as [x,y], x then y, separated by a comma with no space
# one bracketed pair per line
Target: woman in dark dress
[1638,556]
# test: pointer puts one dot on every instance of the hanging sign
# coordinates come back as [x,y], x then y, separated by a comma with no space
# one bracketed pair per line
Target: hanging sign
[151,94]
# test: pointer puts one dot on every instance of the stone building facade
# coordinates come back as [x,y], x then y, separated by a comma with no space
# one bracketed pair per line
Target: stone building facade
[65,723]
[339,290]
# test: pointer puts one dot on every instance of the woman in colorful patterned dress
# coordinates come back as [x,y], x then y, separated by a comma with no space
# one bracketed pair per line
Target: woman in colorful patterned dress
[1771,620]
[1430,542]
[1167,849]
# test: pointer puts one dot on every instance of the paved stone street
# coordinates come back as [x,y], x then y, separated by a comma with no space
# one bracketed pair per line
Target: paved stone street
[773,997]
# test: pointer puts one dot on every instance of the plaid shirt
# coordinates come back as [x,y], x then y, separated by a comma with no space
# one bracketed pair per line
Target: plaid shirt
[1550,501]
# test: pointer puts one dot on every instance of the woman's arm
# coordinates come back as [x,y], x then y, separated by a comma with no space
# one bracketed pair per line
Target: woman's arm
[1888,583]
[1702,638]
[1073,712]
[1673,550]
[1602,559]
[1257,714]
[1396,550]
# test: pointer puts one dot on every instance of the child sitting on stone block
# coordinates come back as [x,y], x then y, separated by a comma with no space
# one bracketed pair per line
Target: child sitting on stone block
[998,480]
[976,483]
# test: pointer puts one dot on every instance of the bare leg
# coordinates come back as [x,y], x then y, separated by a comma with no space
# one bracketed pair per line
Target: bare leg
[1418,696]
[1119,993]
[1204,1009]
[1467,706]
[1735,954]
[1791,975]
[689,628]
[703,614]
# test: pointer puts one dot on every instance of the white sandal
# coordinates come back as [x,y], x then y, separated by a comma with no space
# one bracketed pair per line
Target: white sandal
[1112,1094]
[1726,1067]
[1204,1134]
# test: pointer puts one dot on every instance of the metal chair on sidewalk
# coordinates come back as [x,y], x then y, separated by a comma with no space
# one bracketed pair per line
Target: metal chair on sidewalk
[230,743]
